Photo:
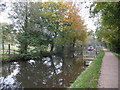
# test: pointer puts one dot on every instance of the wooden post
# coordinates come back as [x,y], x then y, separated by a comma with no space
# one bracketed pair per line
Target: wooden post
[14,51]
[9,49]
[3,48]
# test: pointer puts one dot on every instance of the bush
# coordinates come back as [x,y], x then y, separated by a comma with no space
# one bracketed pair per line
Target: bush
[118,55]
[27,56]
[4,58]
[15,57]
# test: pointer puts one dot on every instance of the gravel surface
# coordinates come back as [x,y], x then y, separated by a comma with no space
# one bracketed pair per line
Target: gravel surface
[109,71]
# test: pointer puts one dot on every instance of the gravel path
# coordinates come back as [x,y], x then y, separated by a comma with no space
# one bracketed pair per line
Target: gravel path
[109,71]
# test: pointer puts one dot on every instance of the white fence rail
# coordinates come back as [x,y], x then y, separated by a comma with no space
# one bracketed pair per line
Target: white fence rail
[89,55]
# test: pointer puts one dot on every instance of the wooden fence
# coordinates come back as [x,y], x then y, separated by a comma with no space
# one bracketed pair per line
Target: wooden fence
[9,51]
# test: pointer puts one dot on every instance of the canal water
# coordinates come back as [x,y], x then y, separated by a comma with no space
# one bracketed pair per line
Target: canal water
[47,72]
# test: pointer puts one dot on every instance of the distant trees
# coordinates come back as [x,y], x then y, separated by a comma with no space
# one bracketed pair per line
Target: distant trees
[7,34]
[52,25]
[109,25]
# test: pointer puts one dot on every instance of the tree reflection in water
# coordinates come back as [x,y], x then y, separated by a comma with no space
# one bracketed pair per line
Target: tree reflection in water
[48,72]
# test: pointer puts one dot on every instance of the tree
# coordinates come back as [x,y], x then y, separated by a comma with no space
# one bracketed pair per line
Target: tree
[73,22]
[7,34]
[3,6]
[40,25]
[109,31]
[20,22]
[29,20]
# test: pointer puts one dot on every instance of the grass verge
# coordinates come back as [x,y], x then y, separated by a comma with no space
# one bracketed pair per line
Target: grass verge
[118,55]
[89,77]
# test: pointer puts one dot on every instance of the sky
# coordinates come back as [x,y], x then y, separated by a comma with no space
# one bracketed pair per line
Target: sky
[84,12]
[4,15]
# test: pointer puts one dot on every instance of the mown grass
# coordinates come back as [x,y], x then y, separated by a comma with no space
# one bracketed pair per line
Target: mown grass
[89,77]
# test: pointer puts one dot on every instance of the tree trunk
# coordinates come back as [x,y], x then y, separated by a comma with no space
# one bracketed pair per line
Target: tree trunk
[3,46]
[52,46]
[63,48]
[24,45]
[81,49]
[52,43]
[9,49]
[74,40]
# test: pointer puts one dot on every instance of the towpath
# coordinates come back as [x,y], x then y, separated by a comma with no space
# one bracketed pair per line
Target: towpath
[109,71]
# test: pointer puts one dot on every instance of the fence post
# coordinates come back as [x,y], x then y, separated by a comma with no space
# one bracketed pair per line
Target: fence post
[3,48]
[14,51]
[9,49]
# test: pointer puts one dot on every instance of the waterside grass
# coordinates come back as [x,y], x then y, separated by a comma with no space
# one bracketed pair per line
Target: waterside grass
[89,77]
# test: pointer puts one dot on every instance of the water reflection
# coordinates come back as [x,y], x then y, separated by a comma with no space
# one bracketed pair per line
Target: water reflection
[54,71]
[9,74]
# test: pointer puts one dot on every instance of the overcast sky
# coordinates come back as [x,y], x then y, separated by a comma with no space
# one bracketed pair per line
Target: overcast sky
[84,12]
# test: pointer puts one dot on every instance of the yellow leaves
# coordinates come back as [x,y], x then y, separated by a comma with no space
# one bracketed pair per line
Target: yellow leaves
[53,15]
[45,5]
[65,20]
[59,3]
[68,17]
[57,20]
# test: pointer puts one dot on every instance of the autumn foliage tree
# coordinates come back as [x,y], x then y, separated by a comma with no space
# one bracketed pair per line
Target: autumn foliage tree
[54,24]
[72,27]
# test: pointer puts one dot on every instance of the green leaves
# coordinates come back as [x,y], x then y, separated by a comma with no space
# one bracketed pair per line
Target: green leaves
[109,30]
[43,25]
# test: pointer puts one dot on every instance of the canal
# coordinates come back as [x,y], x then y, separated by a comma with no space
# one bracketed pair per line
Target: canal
[47,72]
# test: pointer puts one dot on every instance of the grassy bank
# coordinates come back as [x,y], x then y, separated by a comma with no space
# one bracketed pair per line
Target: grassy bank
[7,58]
[118,55]
[89,77]
[24,57]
